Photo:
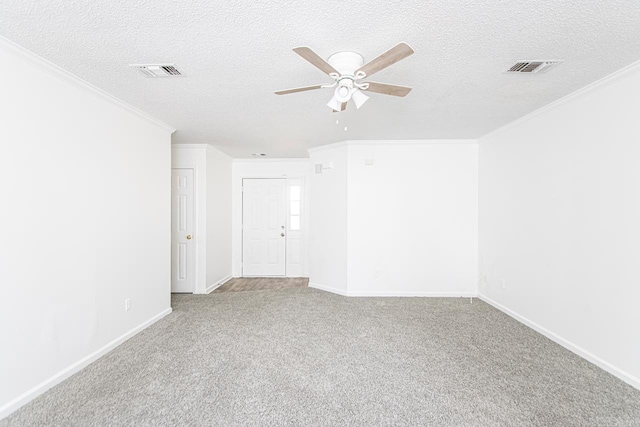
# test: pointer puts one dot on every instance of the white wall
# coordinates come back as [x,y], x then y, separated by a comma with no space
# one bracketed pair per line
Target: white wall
[84,224]
[559,222]
[405,225]
[218,218]
[266,168]
[328,232]
[413,218]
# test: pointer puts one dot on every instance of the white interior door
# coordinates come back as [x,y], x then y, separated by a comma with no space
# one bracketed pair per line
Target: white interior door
[182,242]
[263,227]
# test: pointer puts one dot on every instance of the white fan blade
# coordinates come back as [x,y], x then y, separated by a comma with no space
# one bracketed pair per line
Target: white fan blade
[298,89]
[315,59]
[388,89]
[390,57]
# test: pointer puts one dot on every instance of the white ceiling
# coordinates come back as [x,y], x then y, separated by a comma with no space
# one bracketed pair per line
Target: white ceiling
[236,53]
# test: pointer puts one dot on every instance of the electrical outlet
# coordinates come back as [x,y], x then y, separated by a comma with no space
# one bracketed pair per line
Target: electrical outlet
[376,273]
[503,283]
[127,304]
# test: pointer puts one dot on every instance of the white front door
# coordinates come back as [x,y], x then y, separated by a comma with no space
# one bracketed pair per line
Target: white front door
[263,227]
[182,242]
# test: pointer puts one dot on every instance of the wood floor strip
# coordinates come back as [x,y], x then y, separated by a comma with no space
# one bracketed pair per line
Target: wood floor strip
[247,284]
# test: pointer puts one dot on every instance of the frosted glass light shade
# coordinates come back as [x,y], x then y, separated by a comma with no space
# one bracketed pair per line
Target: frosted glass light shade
[359,98]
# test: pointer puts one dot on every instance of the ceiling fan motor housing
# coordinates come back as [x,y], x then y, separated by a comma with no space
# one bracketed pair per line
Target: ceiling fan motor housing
[347,63]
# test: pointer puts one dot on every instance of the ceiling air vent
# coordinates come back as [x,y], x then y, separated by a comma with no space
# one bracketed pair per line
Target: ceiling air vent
[158,70]
[532,66]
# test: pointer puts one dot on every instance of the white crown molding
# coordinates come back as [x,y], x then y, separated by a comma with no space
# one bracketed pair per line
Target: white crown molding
[592,87]
[56,71]
[395,142]
[203,147]
[411,142]
[328,146]
[189,146]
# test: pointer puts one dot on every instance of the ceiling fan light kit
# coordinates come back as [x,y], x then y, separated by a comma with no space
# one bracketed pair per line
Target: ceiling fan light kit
[359,98]
[347,69]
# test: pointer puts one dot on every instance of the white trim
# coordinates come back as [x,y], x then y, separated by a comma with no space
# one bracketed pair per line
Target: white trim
[624,376]
[197,162]
[200,227]
[271,176]
[454,141]
[290,270]
[393,142]
[304,222]
[65,75]
[328,146]
[217,284]
[200,281]
[62,375]
[190,146]
[401,294]
[274,160]
[605,81]
[328,289]
[286,195]
[425,294]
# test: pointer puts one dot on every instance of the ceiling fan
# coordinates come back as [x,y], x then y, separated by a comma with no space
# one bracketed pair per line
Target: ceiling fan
[347,69]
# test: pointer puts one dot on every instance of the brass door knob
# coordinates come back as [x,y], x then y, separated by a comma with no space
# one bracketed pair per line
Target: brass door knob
[188,236]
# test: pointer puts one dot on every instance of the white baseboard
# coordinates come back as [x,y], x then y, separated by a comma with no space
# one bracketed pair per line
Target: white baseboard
[328,289]
[425,294]
[624,376]
[31,394]
[217,284]
[428,294]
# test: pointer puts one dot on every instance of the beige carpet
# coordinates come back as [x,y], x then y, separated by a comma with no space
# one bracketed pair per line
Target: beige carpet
[303,357]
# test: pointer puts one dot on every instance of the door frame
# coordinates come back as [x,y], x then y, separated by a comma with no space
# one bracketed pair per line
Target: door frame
[195,227]
[304,228]
[286,225]
[194,156]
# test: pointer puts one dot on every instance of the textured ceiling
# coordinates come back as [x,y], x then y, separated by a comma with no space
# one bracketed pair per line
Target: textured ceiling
[236,53]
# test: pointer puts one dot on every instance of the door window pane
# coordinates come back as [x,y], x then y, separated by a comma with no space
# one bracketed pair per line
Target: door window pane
[295,207]
[295,223]
[294,192]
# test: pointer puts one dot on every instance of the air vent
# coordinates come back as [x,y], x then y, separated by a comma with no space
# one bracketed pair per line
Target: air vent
[158,70]
[532,66]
